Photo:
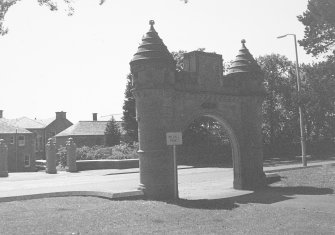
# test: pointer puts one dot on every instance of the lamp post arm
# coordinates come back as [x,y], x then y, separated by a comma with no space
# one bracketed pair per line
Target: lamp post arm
[297,63]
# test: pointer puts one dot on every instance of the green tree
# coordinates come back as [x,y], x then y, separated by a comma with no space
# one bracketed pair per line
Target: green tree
[4,6]
[112,133]
[319,100]
[319,22]
[280,113]
[51,4]
[129,123]
[178,56]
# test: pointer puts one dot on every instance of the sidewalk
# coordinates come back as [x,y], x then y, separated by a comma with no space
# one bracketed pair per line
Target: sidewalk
[294,166]
[109,183]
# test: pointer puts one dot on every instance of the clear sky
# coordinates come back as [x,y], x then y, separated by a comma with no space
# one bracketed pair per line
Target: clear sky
[52,62]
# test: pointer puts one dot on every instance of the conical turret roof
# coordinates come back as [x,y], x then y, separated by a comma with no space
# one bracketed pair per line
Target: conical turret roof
[152,49]
[244,62]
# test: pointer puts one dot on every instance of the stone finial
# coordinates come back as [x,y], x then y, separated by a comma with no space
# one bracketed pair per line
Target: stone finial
[243,41]
[151,23]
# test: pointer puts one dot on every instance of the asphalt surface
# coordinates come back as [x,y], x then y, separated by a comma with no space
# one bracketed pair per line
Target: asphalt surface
[193,183]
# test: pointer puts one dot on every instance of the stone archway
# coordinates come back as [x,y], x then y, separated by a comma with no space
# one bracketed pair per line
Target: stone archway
[167,100]
[234,142]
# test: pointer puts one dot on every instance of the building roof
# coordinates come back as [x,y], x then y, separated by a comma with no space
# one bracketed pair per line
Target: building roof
[152,48]
[6,128]
[244,62]
[46,122]
[24,122]
[85,128]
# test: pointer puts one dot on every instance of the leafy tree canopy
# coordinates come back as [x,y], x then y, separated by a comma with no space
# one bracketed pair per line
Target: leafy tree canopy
[319,22]
[51,4]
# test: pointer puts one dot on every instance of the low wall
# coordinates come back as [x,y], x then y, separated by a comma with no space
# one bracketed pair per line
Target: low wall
[83,165]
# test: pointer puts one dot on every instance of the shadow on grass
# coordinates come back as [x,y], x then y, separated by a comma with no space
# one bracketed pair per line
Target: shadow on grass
[267,195]
[214,204]
[208,165]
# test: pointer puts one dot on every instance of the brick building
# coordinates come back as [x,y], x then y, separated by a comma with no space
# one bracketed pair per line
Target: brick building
[20,143]
[43,129]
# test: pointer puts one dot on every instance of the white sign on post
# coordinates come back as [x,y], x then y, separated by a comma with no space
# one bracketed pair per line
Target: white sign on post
[174,138]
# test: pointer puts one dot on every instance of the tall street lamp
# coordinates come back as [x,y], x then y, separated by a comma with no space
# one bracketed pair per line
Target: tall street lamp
[301,119]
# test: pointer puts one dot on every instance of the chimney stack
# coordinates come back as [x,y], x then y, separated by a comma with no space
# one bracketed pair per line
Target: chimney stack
[1,113]
[60,115]
[95,116]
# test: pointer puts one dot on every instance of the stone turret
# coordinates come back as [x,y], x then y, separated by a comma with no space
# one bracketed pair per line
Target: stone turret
[152,64]
[153,70]
[246,77]
[244,73]
[244,63]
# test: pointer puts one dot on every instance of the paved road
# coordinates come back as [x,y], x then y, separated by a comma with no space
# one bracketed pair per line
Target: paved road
[195,182]
[205,183]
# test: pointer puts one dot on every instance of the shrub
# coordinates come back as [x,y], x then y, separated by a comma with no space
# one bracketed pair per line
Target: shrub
[117,152]
[61,157]
[124,151]
[121,151]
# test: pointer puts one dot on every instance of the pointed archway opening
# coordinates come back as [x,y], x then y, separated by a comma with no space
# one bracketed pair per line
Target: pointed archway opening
[205,159]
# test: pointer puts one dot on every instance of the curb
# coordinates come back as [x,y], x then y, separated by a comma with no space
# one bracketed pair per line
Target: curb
[299,167]
[115,196]
[138,171]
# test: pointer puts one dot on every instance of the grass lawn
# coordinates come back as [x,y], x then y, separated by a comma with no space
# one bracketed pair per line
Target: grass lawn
[249,214]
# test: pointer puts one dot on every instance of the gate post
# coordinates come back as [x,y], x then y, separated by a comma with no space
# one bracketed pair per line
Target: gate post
[71,155]
[3,159]
[153,70]
[245,72]
[51,157]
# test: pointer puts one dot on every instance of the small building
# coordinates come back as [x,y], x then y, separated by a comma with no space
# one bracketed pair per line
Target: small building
[84,133]
[20,143]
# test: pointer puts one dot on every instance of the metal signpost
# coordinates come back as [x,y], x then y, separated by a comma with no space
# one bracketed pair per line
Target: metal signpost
[174,139]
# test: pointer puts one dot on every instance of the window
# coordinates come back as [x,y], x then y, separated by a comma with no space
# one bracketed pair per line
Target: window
[21,140]
[40,142]
[12,140]
[26,161]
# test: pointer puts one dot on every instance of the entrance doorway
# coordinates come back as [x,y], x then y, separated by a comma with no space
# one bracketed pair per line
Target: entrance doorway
[205,160]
